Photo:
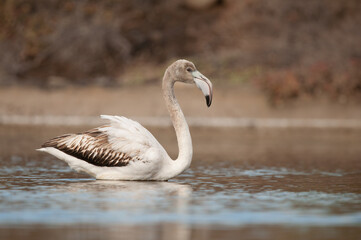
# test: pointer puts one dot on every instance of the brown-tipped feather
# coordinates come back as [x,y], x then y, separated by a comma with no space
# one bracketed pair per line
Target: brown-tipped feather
[91,146]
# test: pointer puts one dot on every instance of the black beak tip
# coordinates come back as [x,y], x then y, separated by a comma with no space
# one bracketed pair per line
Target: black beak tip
[208,101]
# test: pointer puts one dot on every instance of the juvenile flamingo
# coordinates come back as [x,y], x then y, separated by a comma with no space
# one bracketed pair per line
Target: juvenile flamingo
[124,149]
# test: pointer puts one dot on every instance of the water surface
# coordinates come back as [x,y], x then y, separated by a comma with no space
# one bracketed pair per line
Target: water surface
[220,195]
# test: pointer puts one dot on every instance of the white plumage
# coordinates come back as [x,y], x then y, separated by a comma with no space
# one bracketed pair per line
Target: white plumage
[123,149]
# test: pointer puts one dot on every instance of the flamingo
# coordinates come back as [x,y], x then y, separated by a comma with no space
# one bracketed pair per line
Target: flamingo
[123,149]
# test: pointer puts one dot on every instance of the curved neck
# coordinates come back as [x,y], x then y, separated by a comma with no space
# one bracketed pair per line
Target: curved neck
[180,125]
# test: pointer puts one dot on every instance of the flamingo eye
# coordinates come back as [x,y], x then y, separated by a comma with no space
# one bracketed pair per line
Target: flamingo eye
[189,69]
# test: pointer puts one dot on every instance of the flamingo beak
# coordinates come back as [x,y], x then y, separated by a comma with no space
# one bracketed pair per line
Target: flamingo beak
[204,85]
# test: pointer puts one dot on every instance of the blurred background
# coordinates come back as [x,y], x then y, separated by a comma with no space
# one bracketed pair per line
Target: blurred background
[276,156]
[286,50]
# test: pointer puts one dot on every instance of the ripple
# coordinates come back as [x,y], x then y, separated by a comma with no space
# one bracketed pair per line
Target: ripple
[39,191]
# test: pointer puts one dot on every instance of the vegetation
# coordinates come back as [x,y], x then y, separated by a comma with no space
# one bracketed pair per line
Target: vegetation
[288,48]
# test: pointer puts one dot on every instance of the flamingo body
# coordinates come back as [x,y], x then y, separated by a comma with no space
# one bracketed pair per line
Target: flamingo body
[123,149]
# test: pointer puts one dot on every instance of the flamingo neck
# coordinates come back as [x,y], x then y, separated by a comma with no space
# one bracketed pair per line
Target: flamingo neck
[180,125]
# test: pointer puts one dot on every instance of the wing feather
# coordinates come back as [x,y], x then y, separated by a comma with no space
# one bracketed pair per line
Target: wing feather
[113,145]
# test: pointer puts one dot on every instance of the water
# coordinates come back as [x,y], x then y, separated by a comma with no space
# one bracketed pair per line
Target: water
[220,196]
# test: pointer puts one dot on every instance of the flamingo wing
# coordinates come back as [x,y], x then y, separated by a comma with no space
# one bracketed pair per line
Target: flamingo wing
[115,145]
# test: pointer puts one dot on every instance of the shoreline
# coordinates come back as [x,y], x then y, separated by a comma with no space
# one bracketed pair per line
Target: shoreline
[233,106]
[213,122]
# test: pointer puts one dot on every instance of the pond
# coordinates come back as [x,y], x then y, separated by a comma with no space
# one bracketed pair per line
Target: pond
[257,184]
